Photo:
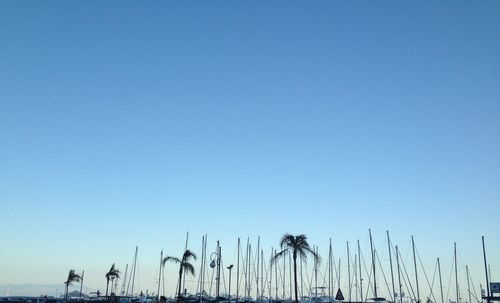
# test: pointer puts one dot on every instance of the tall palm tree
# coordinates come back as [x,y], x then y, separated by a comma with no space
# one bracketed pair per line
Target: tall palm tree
[185,266]
[72,277]
[111,275]
[299,247]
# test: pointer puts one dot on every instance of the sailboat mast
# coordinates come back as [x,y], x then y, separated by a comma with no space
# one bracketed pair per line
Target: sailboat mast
[330,269]
[315,274]
[356,275]
[468,283]
[349,269]
[205,263]
[373,265]
[270,274]
[301,278]
[415,265]
[249,270]
[132,274]
[390,263]
[486,273]
[262,272]
[124,281]
[238,272]
[399,277]
[276,276]
[440,281]
[290,272]
[456,270]
[204,274]
[133,271]
[159,275]
[338,276]
[284,275]
[246,268]
[202,271]
[360,275]
[185,248]
[257,275]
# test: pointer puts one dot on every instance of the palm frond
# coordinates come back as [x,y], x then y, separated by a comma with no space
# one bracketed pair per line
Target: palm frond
[316,257]
[170,259]
[188,255]
[113,272]
[299,246]
[301,240]
[188,268]
[278,255]
[73,277]
[303,246]
[116,274]
[286,240]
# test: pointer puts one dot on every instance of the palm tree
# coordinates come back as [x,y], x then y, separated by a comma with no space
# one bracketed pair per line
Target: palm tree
[72,277]
[299,247]
[185,266]
[111,275]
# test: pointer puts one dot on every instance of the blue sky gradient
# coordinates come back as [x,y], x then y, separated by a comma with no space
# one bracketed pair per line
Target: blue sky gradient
[132,123]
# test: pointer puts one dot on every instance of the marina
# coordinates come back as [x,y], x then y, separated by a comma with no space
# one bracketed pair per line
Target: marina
[272,151]
[283,275]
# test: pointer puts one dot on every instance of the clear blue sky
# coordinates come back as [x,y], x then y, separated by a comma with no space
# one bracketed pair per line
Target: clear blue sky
[132,123]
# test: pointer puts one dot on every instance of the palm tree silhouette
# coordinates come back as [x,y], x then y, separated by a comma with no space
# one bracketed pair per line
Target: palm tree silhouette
[184,266]
[72,277]
[111,275]
[299,247]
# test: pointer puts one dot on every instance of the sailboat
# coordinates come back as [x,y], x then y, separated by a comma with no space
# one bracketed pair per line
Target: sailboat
[375,298]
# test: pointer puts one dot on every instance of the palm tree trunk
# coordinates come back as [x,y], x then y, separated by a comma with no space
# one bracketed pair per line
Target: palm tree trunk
[66,295]
[180,283]
[107,285]
[295,276]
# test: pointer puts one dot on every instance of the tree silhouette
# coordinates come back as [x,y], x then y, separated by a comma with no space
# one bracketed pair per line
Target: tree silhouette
[111,275]
[185,266]
[72,277]
[299,247]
